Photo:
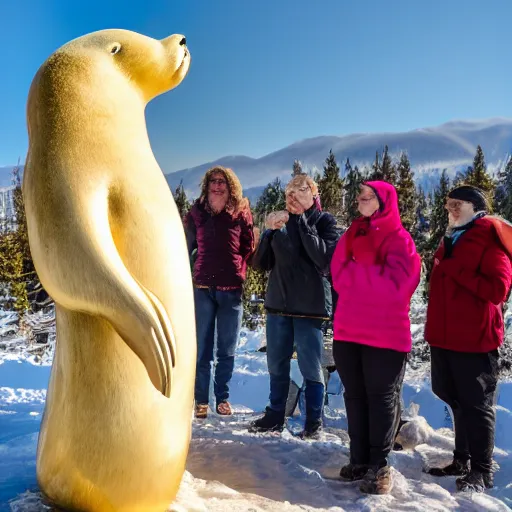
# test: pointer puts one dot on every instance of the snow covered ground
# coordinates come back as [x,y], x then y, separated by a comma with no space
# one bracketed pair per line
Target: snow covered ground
[231,469]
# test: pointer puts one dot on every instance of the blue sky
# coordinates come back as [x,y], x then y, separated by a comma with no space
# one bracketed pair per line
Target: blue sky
[266,74]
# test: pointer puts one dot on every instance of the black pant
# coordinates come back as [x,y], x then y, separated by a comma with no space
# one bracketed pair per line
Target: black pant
[372,378]
[467,383]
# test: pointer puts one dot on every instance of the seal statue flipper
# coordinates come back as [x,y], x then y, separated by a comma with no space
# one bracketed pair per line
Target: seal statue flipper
[166,324]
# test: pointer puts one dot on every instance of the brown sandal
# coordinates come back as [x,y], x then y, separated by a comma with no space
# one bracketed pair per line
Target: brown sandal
[224,409]
[201,411]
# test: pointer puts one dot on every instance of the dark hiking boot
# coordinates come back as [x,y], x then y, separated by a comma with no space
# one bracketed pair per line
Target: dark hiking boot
[472,482]
[488,476]
[270,422]
[312,430]
[377,481]
[353,472]
[456,468]
[488,480]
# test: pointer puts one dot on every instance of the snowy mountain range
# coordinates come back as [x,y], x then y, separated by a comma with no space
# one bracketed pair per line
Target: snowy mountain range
[449,146]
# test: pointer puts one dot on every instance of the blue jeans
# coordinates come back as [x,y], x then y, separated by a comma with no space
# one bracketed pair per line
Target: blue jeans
[306,333]
[225,308]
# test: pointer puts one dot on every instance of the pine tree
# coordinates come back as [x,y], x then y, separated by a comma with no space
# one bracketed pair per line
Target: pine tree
[17,270]
[477,176]
[366,173]
[406,193]
[353,181]
[388,169]
[316,176]
[438,225]
[376,172]
[255,285]
[11,272]
[272,199]
[503,197]
[180,198]
[439,218]
[331,187]
[297,168]
[421,225]
[348,168]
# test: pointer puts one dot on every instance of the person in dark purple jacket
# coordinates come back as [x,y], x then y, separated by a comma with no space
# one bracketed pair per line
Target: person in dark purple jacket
[220,227]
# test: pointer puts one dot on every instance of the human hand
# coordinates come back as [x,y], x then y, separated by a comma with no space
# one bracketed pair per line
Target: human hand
[276,220]
[293,205]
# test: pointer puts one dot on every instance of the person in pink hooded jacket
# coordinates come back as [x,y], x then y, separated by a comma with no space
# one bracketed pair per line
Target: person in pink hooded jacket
[375,270]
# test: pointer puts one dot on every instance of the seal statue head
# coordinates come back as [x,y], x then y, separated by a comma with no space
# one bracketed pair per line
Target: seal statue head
[153,66]
[101,73]
[109,247]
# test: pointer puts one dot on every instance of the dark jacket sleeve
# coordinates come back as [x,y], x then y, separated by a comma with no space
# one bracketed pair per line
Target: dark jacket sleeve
[491,282]
[190,232]
[319,240]
[263,258]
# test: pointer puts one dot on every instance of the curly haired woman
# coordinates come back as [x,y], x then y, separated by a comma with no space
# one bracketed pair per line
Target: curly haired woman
[220,226]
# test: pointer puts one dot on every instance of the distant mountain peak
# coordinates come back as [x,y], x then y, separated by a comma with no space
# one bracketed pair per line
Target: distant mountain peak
[450,145]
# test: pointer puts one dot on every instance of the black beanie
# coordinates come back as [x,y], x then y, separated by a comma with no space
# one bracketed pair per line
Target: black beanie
[471,195]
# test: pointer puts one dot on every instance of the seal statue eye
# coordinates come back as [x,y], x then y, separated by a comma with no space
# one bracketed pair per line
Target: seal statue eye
[115,49]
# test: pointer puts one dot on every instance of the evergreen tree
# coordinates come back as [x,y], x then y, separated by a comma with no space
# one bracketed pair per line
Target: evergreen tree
[348,169]
[330,187]
[12,276]
[255,285]
[17,272]
[503,197]
[366,173]
[272,199]
[477,176]
[406,193]
[353,181]
[439,218]
[421,224]
[388,169]
[376,171]
[297,168]
[180,198]
[438,225]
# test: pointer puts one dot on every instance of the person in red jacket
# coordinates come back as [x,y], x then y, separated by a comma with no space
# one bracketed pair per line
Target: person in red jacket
[220,227]
[469,283]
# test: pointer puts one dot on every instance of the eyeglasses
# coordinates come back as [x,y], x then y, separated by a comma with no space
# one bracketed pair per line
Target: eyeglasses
[366,199]
[454,204]
[302,190]
[218,181]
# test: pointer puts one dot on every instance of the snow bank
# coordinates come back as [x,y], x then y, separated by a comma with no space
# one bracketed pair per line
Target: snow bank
[230,469]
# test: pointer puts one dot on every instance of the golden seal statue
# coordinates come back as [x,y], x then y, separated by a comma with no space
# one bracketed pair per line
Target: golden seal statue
[109,247]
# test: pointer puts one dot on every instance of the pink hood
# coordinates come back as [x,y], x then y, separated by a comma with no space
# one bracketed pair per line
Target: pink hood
[375,270]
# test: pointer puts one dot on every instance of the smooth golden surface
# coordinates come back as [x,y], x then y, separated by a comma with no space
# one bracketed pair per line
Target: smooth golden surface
[109,247]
